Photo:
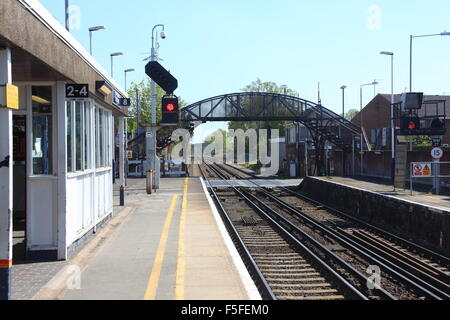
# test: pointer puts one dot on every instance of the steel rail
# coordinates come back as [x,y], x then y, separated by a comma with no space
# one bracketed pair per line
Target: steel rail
[264,288]
[345,239]
[292,239]
[434,255]
[401,274]
[327,252]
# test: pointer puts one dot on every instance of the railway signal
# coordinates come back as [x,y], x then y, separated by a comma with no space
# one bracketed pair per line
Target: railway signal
[161,76]
[170,110]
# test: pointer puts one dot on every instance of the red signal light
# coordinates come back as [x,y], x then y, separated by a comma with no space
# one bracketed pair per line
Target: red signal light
[170,107]
[412,125]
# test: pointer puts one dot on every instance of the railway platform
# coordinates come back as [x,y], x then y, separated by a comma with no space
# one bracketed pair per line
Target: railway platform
[425,199]
[170,245]
[421,218]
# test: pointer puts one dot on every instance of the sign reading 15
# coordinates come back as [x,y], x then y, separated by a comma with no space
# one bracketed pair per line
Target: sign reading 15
[77,91]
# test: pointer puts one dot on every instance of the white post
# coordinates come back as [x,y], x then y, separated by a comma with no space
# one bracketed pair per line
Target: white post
[62,169]
[122,154]
[153,128]
[6,182]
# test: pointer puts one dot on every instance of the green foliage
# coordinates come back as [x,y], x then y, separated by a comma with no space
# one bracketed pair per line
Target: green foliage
[351,114]
[266,87]
[145,101]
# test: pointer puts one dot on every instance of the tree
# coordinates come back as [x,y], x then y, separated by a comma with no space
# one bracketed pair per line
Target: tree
[352,113]
[145,102]
[266,87]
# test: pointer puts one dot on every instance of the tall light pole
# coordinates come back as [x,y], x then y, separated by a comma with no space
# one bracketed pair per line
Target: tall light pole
[374,83]
[340,128]
[343,100]
[387,53]
[67,16]
[151,141]
[126,127]
[411,53]
[93,29]
[115,54]
[127,71]
[154,57]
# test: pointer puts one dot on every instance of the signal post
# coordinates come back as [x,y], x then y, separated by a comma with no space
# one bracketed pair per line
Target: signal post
[170,112]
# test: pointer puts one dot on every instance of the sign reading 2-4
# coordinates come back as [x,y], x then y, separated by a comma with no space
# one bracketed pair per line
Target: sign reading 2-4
[74,91]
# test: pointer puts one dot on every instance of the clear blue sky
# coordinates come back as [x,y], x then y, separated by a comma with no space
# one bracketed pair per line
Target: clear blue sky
[215,47]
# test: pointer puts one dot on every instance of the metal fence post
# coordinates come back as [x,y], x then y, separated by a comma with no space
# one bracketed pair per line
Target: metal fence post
[411,175]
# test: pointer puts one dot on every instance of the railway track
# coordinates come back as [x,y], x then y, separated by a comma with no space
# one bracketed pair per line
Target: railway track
[283,267]
[406,273]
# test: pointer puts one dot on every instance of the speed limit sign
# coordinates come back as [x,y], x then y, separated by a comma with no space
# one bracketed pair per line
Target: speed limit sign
[437,153]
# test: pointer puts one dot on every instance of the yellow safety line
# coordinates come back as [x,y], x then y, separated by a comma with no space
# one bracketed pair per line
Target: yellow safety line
[181,265]
[150,293]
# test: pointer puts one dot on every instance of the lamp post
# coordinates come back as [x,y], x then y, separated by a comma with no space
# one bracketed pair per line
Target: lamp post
[67,15]
[411,53]
[93,29]
[154,57]
[126,128]
[374,83]
[116,54]
[343,100]
[387,53]
[151,141]
[127,71]
[340,128]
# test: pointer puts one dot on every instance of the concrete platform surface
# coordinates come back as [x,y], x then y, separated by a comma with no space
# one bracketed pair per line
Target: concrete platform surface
[169,247]
[425,199]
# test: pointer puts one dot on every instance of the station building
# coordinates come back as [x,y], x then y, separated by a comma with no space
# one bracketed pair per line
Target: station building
[56,186]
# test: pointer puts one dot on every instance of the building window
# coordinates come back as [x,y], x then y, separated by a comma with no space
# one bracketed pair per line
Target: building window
[42,133]
[69,120]
[103,145]
[78,136]
[87,136]
[97,140]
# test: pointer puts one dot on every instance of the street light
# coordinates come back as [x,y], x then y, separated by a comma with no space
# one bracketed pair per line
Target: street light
[387,53]
[343,100]
[340,127]
[411,48]
[126,71]
[67,16]
[154,57]
[116,54]
[374,83]
[93,29]
[126,123]
[151,140]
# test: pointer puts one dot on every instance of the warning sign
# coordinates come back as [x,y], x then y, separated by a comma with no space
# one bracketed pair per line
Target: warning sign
[422,170]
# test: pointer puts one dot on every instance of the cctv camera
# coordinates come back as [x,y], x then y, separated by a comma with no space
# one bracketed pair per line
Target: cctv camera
[163,35]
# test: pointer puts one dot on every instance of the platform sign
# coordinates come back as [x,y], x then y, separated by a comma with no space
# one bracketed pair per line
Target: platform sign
[77,91]
[421,170]
[437,153]
[9,96]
